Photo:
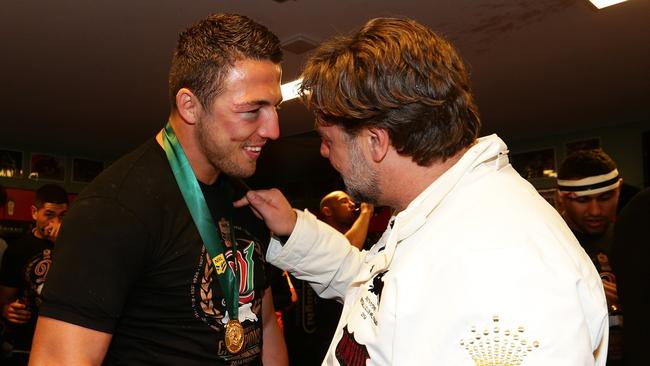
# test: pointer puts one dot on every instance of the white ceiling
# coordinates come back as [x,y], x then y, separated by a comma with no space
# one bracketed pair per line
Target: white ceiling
[90,77]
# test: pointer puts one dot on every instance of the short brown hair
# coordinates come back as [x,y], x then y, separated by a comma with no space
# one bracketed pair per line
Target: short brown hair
[206,51]
[399,75]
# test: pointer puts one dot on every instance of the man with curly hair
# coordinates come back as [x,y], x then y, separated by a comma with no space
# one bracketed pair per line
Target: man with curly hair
[475,266]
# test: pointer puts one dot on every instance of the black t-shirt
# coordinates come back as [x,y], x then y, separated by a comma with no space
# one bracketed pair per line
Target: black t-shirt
[631,251]
[130,262]
[598,247]
[25,265]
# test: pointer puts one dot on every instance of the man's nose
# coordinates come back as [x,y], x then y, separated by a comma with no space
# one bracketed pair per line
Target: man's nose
[594,208]
[270,128]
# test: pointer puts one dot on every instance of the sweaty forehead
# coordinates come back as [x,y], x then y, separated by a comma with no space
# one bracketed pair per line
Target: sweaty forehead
[254,82]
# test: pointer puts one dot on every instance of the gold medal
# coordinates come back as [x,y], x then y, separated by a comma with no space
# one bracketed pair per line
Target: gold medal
[234,336]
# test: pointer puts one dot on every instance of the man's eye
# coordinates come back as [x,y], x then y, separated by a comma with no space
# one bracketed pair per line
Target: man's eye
[605,197]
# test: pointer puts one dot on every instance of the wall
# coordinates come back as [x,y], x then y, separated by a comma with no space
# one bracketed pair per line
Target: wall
[624,144]
[71,171]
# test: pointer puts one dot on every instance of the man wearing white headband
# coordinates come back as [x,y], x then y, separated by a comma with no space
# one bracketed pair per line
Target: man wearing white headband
[588,191]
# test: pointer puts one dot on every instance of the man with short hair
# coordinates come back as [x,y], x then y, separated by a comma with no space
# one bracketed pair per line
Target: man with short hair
[339,211]
[310,327]
[25,266]
[475,267]
[589,186]
[155,264]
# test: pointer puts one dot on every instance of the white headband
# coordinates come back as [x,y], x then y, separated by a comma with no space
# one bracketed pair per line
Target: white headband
[590,185]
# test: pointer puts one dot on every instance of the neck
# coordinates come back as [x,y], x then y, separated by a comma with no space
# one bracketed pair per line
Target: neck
[399,196]
[201,166]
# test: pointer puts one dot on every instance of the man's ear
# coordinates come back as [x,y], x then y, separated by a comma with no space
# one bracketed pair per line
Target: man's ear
[188,105]
[34,212]
[378,143]
[326,211]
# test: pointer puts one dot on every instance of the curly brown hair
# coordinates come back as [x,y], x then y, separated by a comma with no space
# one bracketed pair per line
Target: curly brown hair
[399,75]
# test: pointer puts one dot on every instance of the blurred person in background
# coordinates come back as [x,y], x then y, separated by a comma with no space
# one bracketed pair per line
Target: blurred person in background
[25,266]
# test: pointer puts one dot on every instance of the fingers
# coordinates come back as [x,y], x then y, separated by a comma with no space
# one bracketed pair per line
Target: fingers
[271,206]
[54,230]
[241,202]
[51,231]
[244,202]
[367,207]
[17,313]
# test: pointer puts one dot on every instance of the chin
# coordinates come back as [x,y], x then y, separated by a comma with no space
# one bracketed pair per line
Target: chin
[598,231]
[239,170]
[240,173]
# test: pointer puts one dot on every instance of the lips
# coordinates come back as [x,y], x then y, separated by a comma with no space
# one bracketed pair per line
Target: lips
[595,223]
[253,151]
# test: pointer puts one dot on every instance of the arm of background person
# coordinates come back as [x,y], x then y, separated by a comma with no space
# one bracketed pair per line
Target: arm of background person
[359,230]
[274,349]
[60,343]
[12,309]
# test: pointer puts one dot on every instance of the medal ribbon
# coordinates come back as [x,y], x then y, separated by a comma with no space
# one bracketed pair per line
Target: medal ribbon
[193,196]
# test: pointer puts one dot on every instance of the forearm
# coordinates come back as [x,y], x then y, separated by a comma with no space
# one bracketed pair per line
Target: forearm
[317,253]
[274,349]
[359,231]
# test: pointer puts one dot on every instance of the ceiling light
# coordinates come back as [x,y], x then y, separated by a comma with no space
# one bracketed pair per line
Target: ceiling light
[290,90]
[605,3]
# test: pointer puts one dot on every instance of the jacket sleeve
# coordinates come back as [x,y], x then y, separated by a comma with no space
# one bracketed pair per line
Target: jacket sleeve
[317,253]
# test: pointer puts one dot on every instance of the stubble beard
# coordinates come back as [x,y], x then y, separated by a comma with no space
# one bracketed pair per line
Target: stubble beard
[362,183]
[221,158]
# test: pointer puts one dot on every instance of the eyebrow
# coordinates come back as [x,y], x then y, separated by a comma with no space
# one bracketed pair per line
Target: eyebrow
[258,102]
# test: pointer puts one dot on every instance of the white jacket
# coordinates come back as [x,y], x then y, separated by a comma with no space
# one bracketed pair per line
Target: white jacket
[477,268]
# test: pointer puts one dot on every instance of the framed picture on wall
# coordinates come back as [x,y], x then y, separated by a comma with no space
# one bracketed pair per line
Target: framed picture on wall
[535,164]
[585,144]
[85,170]
[46,167]
[11,164]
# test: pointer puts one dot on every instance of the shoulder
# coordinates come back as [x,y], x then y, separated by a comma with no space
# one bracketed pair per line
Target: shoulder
[144,165]
[138,188]
[142,178]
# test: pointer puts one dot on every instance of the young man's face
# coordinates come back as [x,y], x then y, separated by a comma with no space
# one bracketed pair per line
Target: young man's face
[591,214]
[48,219]
[232,131]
